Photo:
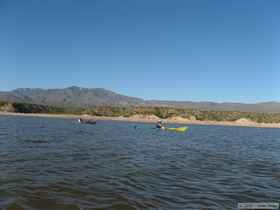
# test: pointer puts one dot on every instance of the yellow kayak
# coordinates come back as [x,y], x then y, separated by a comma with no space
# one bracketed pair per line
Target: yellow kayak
[179,129]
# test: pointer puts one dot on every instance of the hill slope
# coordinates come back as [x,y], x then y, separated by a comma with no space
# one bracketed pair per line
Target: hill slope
[266,107]
[72,96]
[86,97]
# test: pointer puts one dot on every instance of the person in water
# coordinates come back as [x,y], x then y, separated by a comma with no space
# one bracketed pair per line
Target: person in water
[160,125]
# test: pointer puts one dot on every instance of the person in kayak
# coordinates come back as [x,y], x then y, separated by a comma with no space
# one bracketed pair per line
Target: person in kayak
[85,121]
[160,125]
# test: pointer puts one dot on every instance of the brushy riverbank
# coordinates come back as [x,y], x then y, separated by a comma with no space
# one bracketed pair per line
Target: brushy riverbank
[151,119]
[146,114]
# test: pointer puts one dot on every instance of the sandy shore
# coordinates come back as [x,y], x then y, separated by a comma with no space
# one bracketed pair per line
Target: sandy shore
[245,123]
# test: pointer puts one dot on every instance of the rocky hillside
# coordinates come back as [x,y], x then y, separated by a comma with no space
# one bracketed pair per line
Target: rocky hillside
[72,96]
[88,97]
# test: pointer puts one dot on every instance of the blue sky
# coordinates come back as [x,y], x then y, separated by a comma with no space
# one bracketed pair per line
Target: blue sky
[201,50]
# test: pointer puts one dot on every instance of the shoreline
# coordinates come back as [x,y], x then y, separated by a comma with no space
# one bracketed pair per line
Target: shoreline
[147,120]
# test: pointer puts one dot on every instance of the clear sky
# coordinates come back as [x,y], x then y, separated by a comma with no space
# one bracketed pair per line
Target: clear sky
[201,50]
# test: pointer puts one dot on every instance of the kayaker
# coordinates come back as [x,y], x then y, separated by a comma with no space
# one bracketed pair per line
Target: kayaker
[160,125]
[85,121]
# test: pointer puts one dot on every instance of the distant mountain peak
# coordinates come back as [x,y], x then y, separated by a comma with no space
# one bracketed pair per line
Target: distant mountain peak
[75,88]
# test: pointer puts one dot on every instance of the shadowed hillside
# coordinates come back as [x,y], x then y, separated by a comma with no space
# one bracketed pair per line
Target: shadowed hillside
[88,97]
[68,97]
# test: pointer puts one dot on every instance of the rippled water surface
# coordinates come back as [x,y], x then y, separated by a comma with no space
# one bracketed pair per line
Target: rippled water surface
[59,164]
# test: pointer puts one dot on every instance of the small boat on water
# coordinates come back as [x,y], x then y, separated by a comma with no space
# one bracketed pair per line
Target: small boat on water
[86,121]
[178,129]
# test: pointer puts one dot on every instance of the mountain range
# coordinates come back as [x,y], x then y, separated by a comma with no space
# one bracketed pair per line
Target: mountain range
[88,97]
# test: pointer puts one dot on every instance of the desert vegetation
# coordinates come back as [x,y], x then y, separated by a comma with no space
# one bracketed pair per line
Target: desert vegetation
[128,111]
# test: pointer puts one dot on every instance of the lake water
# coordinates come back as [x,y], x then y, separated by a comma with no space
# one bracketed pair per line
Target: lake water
[58,164]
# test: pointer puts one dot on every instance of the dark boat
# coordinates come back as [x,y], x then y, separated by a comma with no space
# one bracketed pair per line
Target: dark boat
[86,121]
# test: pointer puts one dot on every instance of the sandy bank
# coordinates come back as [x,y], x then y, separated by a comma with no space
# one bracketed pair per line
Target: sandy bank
[153,119]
